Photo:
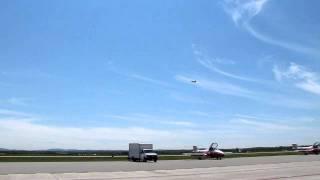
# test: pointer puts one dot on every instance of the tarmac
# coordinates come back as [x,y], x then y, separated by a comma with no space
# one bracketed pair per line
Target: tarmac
[257,168]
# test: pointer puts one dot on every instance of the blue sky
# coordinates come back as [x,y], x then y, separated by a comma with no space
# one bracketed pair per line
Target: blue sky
[101,74]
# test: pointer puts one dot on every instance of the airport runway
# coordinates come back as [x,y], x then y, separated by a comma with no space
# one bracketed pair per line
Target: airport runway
[110,166]
[292,171]
[258,168]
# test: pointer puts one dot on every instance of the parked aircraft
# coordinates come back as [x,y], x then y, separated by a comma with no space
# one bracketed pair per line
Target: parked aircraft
[211,152]
[314,149]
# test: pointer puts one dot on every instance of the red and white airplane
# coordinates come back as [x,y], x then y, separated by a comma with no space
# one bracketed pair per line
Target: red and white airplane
[211,152]
[314,149]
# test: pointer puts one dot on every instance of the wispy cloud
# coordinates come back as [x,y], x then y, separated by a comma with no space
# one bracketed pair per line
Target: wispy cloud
[238,91]
[200,113]
[11,113]
[289,101]
[242,11]
[22,134]
[217,60]
[19,101]
[147,118]
[219,87]
[209,64]
[300,76]
[142,78]
[187,98]
[289,119]
[266,125]
[288,45]
[212,63]
[150,80]
[29,135]
[32,74]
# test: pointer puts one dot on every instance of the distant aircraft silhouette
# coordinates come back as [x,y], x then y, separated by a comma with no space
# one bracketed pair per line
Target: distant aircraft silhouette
[194,81]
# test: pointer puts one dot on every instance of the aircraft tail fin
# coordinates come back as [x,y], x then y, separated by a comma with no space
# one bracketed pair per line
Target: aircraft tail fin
[210,147]
[213,146]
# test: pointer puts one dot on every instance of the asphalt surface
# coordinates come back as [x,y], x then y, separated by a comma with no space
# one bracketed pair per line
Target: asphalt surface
[84,167]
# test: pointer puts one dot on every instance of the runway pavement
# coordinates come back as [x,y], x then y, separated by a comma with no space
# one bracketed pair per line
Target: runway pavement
[110,166]
[292,171]
[262,168]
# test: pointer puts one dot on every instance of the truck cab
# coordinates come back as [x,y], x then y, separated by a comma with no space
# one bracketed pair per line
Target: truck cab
[149,155]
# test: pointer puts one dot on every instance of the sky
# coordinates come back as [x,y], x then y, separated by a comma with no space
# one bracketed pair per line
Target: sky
[100,74]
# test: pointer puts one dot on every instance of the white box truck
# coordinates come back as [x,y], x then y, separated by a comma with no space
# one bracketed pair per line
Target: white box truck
[142,152]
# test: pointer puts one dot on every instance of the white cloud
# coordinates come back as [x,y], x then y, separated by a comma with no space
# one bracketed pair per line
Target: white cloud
[18,101]
[219,87]
[200,55]
[187,98]
[209,64]
[277,73]
[200,113]
[242,11]
[300,76]
[28,135]
[30,73]
[138,77]
[32,136]
[310,86]
[151,119]
[180,123]
[288,119]
[290,101]
[288,45]
[266,126]
[10,114]
[16,133]
[150,80]
[263,97]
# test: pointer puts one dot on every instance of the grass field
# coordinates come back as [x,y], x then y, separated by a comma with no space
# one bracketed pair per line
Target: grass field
[124,158]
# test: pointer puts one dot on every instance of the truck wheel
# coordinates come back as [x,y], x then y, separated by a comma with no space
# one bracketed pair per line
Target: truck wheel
[155,160]
[144,160]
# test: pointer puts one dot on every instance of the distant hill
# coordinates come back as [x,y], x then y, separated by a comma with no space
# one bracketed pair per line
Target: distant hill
[59,150]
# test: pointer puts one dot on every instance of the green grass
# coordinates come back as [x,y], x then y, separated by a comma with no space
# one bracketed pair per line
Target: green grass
[124,158]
